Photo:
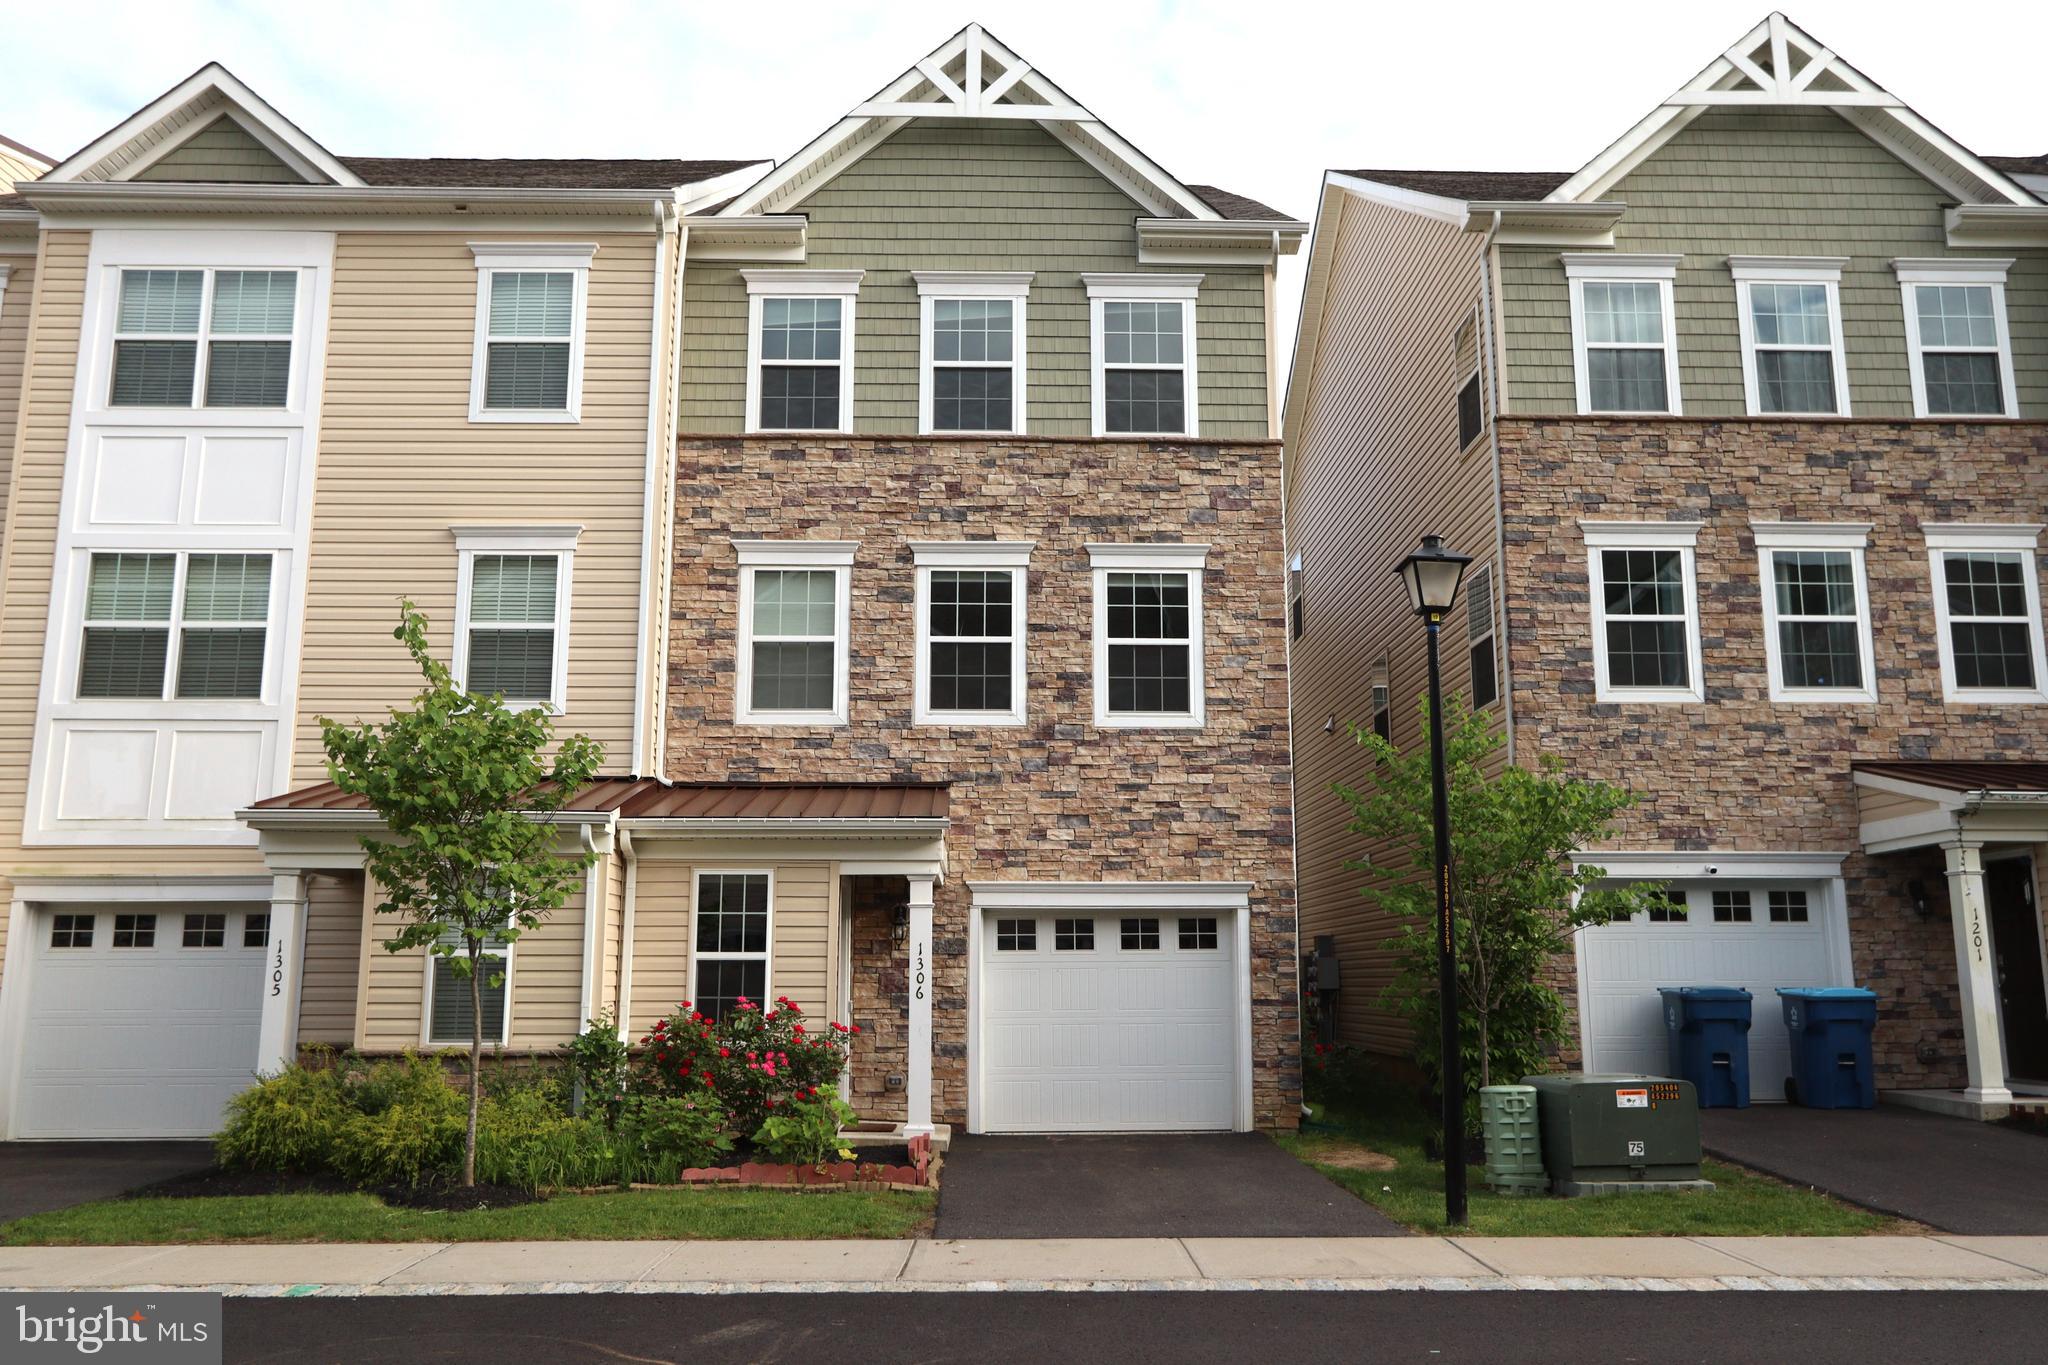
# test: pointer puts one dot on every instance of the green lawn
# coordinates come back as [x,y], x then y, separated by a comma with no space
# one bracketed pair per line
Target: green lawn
[685,1214]
[1742,1204]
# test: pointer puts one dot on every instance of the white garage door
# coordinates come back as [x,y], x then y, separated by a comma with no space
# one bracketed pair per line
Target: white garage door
[141,1022]
[1758,936]
[1108,1022]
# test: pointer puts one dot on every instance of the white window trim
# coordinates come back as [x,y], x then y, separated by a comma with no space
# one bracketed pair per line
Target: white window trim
[559,541]
[756,555]
[167,703]
[843,285]
[767,957]
[1150,558]
[1145,288]
[1660,270]
[1849,537]
[1965,270]
[427,1038]
[1682,536]
[203,336]
[988,555]
[555,257]
[2019,538]
[934,285]
[1822,270]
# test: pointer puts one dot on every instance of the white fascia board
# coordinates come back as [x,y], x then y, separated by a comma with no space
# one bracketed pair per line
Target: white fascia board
[702,194]
[972,554]
[1730,864]
[162,196]
[76,889]
[1147,556]
[1442,209]
[1899,786]
[1998,225]
[973,284]
[1541,223]
[1110,895]
[783,553]
[1182,241]
[276,131]
[761,238]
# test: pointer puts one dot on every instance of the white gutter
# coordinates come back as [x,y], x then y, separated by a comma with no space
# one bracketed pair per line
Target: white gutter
[593,929]
[155,196]
[624,1018]
[650,484]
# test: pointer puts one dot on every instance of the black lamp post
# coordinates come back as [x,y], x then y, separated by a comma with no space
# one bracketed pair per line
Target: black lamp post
[1432,574]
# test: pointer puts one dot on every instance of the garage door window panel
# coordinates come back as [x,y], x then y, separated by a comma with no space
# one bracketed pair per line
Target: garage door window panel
[205,931]
[1139,935]
[1732,907]
[1016,935]
[1788,907]
[1073,935]
[71,931]
[255,930]
[1198,935]
[135,931]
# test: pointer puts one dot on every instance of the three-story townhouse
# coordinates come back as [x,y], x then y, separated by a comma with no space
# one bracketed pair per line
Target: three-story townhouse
[1742,424]
[264,393]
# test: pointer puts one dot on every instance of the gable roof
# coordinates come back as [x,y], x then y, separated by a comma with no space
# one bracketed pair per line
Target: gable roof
[973,75]
[24,152]
[1470,185]
[1239,207]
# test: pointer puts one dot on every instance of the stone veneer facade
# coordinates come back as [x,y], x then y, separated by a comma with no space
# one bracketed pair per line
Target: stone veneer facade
[1741,771]
[1055,799]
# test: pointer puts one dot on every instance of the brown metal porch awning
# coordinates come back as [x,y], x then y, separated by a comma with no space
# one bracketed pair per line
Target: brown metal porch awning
[651,798]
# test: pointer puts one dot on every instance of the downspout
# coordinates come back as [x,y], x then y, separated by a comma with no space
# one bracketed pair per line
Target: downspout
[593,928]
[625,1015]
[1500,518]
[650,499]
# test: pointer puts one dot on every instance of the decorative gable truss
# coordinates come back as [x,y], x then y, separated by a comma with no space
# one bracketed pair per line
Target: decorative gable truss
[975,76]
[1777,64]
[211,107]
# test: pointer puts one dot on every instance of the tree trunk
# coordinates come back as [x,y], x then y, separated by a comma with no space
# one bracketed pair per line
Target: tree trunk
[1485,1049]
[476,1060]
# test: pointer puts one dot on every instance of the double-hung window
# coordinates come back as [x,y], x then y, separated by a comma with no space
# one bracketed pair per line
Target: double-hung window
[1987,607]
[1480,650]
[210,338]
[794,605]
[1790,319]
[971,367]
[800,349]
[531,302]
[970,632]
[1465,371]
[1646,640]
[1142,340]
[1148,634]
[729,942]
[451,1013]
[161,626]
[1956,336]
[1817,634]
[1624,341]
[512,612]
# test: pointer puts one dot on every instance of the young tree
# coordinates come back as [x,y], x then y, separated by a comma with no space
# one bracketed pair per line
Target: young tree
[468,855]
[1517,897]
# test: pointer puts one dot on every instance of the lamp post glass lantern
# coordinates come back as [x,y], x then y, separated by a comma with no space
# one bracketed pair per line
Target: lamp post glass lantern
[1432,574]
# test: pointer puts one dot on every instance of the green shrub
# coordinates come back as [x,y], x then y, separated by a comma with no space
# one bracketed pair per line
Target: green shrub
[524,1138]
[602,1066]
[660,1136]
[752,1059]
[286,1122]
[805,1132]
[409,1078]
[409,1126]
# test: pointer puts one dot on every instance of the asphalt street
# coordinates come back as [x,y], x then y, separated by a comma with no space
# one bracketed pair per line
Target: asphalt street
[1525,1328]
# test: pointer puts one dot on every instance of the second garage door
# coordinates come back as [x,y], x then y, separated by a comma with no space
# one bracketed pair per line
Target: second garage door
[1759,936]
[1108,1022]
[141,1022]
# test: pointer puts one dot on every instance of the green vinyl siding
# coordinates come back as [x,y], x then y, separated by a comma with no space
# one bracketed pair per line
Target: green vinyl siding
[1767,183]
[974,195]
[224,151]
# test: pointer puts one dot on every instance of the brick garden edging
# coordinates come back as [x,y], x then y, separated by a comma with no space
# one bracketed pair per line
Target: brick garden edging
[922,1174]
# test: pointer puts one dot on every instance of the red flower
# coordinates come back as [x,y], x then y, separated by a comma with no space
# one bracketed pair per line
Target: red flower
[796,1028]
[854,1029]
[685,1005]
[725,1052]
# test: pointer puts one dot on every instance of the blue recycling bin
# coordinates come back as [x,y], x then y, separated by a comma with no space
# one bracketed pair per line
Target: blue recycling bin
[1708,1031]
[1830,1028]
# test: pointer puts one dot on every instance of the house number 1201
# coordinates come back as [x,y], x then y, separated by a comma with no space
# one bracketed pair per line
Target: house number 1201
[917,979]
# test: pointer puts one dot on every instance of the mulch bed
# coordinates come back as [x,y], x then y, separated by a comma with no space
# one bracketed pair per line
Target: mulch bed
[444,1196]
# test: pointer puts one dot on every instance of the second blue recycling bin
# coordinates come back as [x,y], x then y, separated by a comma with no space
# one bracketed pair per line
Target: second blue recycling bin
[1708,1029]
[1830,1028]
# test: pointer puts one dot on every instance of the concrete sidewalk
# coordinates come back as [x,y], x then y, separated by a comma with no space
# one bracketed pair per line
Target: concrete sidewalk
[1168,1263]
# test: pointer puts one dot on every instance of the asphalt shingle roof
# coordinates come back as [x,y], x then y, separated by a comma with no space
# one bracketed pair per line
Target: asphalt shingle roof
[1513,186]
[529,173]
[1238,205]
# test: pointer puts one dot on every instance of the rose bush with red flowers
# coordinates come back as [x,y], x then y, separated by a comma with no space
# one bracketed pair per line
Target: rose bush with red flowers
[753,1060]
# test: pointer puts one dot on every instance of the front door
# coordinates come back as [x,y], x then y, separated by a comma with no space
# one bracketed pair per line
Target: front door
[2016,947]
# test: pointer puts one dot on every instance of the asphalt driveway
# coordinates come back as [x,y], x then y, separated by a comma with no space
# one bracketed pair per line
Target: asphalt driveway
[1165,1185]
[1954,1175]
[36,1177]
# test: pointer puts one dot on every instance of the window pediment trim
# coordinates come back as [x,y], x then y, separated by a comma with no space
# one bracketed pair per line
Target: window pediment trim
[804,283]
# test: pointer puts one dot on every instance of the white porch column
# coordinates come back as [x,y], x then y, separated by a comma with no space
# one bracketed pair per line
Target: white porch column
[1976,975]
[918,1081]
[277,1041]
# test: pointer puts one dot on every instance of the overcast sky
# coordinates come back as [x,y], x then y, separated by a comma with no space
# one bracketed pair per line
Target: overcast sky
[1258,97]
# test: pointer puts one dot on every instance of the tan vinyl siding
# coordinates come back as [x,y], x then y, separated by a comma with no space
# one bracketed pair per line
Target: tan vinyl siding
[1373,467]
[546,982]
[1768,183]
[969,195]
[15,305]
[800,956]
[221,151]
[15,168]
[661,941]
[335,907]
[401,463]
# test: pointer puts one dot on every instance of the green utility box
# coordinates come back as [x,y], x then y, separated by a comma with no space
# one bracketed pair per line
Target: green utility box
[1514,1148]
[1619,1134]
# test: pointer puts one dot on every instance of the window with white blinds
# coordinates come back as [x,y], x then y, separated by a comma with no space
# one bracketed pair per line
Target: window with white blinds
[451,1014]
[158,626]
[219,338]
[513,627]
[532,322]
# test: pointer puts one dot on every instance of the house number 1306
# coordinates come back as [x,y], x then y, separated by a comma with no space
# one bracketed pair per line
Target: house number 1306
[917,979]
